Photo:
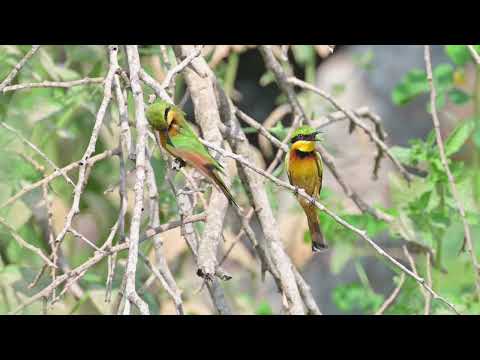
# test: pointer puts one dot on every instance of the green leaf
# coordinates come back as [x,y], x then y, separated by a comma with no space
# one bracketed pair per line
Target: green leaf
[354,297]
[264,308]
[458,97]
[459,136]
[443,76]
[476,138]
[403,154]
[441,100]
[413,84]
[459,54]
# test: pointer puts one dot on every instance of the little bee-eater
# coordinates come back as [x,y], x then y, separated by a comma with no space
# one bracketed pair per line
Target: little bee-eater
[178,138]
[305,170]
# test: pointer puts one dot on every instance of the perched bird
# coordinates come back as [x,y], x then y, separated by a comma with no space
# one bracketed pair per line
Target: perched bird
[178,138]
[304,168]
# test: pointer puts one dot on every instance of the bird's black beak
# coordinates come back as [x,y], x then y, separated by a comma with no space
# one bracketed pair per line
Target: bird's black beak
[314,135]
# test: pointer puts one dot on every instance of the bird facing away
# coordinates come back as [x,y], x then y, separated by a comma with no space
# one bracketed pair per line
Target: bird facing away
[305,170]
[178,138]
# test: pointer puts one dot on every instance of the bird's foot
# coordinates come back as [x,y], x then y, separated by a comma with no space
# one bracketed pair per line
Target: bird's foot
[312,201]
[177,164]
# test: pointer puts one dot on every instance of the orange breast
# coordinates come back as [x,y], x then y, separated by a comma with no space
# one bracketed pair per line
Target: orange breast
[303,172]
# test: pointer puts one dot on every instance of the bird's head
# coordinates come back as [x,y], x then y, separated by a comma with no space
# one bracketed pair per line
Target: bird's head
[304,138]
[158,115]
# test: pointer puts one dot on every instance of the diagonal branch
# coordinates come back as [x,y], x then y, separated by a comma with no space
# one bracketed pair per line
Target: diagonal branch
[451,181]
[37,150]
[361,233]
[474,54]
[270,250]
[355,120]
[82,174]
[282,81]
[11,75]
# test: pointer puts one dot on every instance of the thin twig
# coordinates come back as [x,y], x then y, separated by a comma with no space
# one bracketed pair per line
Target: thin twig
[451,181]
[474,54]
[207,116]
[393,296]
[282,81]
[271,250]
[100,255]
[428,300]
[54,84]
[90,162]
[11,75]
[25,244]
[37,150]
[354,119]
[361,233]
[82,175]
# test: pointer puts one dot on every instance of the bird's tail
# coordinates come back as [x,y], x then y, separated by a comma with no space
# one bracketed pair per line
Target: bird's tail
[219,182]
[318,241]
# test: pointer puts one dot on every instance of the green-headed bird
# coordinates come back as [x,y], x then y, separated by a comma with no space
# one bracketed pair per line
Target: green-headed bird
[305,170]
[178,138]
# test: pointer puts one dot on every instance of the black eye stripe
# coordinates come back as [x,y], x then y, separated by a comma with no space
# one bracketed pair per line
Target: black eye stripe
[299,137]
[167,109]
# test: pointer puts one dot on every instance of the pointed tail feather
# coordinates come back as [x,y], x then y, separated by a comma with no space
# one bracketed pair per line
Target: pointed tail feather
[318,241]
[218,181]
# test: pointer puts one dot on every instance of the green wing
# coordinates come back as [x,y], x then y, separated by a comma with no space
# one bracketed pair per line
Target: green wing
[187,141]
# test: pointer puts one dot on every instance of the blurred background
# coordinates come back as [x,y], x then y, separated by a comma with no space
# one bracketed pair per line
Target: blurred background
[350,278]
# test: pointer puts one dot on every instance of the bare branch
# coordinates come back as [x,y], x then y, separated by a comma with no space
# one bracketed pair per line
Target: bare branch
[207,116]
[474,54]
[282,80]
[82,175]
[354,119]
[393,296]
[54,84]
[170,77]
[25,244]
[90,162]
[361,233]
[141,124]
[11,75]
[451,181]
[100,255]
[271,249]
[37,150]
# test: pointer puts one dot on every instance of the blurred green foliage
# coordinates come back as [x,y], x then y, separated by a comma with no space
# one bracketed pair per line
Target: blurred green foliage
[59,122]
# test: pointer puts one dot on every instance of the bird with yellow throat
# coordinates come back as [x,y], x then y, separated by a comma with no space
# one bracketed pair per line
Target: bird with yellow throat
[305,170]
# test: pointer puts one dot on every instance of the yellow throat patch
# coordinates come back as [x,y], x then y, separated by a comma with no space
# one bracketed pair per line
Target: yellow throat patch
[303,145]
